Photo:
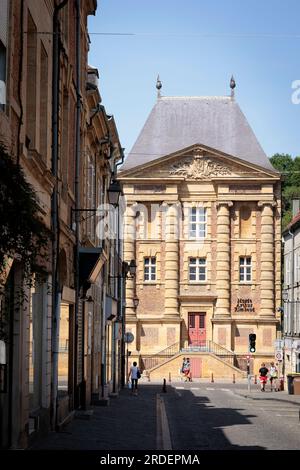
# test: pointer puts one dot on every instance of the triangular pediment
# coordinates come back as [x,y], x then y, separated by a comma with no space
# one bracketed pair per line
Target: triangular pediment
[198,162]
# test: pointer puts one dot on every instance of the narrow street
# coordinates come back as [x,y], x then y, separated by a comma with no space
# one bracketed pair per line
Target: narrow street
[200,416]
[221,417]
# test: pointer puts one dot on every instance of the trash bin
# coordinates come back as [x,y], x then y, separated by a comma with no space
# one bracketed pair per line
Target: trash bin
[290,380]
[291,383]
[296,385]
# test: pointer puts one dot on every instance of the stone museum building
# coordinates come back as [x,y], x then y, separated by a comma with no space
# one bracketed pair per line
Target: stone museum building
[203,222]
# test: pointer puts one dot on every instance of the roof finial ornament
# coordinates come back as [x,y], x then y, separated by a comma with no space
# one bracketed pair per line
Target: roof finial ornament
[232,86]
[158,86]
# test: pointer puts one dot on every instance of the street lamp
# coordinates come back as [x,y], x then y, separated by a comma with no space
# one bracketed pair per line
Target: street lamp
[285,295]
[114,192]
[136,301]
[132,268]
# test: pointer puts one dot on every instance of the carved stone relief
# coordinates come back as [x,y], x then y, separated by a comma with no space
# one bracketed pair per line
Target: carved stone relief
[199,167]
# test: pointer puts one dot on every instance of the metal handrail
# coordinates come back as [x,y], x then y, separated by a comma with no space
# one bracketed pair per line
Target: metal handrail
[208,346]
[161,356]
[212,347]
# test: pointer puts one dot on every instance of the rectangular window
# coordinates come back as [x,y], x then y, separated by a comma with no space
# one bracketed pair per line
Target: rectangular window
[44,125]
[197,269]
[90,198]
[31,84]
[197,222]
[288,270]
[245,269]
[150,269]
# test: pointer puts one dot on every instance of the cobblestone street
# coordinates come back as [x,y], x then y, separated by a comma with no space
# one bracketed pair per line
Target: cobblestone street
[200,416]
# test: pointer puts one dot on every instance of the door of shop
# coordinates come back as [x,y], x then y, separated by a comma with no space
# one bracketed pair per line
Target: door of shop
[197,329]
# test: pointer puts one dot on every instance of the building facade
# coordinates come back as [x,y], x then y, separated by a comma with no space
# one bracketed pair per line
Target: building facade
[203,223]
[291,296]
[60,349]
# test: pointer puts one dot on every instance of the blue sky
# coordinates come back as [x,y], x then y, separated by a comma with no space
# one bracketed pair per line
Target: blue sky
[256,41]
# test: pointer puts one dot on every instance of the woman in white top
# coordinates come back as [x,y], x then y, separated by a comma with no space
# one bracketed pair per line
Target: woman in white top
[273,376]
[135,376]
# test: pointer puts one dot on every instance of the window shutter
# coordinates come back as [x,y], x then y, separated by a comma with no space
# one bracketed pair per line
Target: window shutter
[3,21]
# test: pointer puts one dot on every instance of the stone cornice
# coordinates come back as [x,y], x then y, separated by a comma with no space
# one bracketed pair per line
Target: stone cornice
[254,320]
[267,203]
[158,319]
[197,297]
[224,203]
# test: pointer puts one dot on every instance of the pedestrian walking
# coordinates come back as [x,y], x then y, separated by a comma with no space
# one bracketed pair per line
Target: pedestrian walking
[187,371]
[135,375]
[273,377]
[263,376]
[183,368]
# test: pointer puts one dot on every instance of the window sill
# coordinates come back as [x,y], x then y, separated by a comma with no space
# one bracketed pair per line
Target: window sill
[194,283]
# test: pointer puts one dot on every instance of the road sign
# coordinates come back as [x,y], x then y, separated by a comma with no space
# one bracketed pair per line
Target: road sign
[278,344]
[279,355]
[129,337]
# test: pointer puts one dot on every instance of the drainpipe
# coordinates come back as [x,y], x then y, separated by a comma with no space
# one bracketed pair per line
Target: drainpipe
[103,336]
[292,274]
[54,211]
[292,311]
[77,190]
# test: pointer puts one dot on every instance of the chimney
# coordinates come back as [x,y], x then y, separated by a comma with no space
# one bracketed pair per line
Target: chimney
[295,206]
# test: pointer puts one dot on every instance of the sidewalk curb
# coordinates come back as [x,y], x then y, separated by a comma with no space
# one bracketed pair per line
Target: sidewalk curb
[163,437]
[251,397]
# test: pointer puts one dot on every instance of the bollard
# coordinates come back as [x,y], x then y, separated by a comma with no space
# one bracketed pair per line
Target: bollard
[281,384]
[255,379]
[212,378]
[164,389]
[148,377]
[233,381]
[170,377]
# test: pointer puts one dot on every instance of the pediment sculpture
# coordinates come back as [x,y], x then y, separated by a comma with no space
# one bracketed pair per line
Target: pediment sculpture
[199,167]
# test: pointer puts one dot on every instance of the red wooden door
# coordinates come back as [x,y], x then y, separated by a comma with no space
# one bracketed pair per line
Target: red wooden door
[196,367]
[197,329]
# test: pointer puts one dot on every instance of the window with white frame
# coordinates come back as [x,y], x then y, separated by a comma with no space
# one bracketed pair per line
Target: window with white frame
[297,265]
[197,269]
[150,269]
[245,269]
[197,222]
[287,261]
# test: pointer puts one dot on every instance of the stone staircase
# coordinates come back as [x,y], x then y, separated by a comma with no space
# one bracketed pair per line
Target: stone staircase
[215,359]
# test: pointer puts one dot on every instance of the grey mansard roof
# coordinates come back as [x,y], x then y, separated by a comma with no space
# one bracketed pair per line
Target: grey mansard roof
[176,123]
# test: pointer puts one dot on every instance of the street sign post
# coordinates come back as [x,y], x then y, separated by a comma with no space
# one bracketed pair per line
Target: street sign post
[128,338]
[279,355]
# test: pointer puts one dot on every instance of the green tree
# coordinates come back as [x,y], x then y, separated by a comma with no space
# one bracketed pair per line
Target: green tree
[290,171]
[23,235]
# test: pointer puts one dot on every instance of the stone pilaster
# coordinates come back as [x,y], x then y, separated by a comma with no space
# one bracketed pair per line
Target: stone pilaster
[129,254]
[267,259]
[171,261]
[223,259]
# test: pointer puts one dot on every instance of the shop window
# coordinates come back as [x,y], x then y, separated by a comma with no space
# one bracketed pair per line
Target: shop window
[63,350]
[3,51]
